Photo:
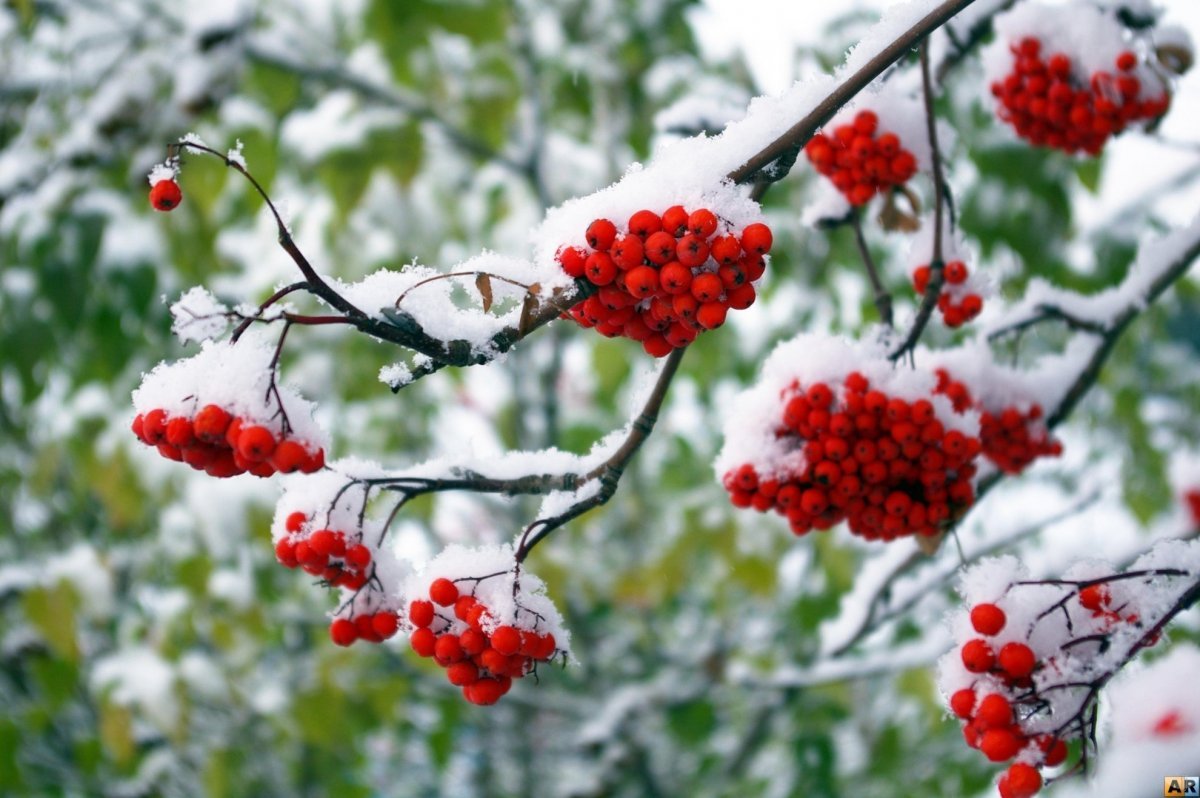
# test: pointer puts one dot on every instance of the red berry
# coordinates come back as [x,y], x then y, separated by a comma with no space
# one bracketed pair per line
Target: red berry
[1000,745]
[420,613]
[443,592]
[256,443]
[601,234]
[711,315]
[506,640]
[645,224]
[1126,61]
[484,692]
[977,656]
[707,287]
[994,712]
[955,272]
[165,195]
[447,650]
[343,631]
[1023,780]
[757,238]
[642,281]
[462,674]
[423,641]
[572,260]
[358,557]
[288,457]
[1093,597]
[1017,660]
[154,426]
[988,619]
[599,268]
[385,624]
[675,221]
[702,223]
[962,703]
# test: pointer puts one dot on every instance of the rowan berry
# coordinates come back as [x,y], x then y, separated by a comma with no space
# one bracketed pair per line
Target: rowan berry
[165,195]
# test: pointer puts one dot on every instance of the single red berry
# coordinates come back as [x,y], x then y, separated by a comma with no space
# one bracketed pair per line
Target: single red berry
[707,287]
[644,224]
[962,703]
[285,552]
[443,592]
[711,315]
[642,281]
[702,223]
[1094,597]
[154,426]
[601,234]
[448,650]
[462,674]
[988,619]
[1126,61]
[473,641]
[423,641]
[358,556]
[600,268]
[385,624]
[420,613]
[757,238]
[660,248]
[343,631]
[295,521]
[256,443]
[506,640]
[1016,659]
[165,195]
[994,712]
[1055,751]
[572,260]
[977,656]
[484,692]
[675,221]
[1023,780]
[1000,745]
[955,272]
[288,456]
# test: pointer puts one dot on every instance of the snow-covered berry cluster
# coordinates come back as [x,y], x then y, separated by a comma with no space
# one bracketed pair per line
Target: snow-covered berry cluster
[1032,654]
[1070,80]
[323,552]
[883,452]
[957,303]
[486,629]
[1013,434]
[223,445]
[860,158]
[221,412]
[665,279]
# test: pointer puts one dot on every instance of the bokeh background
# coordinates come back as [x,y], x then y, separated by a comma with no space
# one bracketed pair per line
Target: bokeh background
[149,644]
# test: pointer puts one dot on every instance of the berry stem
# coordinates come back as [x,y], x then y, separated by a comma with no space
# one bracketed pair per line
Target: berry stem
[936,263]
[883,300]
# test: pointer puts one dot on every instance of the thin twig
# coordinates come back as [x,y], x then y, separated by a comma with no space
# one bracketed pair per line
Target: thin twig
[936,264]
[609,472]
[883,300]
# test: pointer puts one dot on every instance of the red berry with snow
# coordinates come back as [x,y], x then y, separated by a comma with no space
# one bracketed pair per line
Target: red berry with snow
[648,273]
[165,195]
[988,619]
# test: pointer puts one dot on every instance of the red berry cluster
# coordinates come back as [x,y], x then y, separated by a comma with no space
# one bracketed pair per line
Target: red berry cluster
[991,722]
[1048,107]
[165,195]
[859,160]
[1011,439]
[954,273]
[483,663]
[323,552]
[665,278]
[222,445]
[887,466]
